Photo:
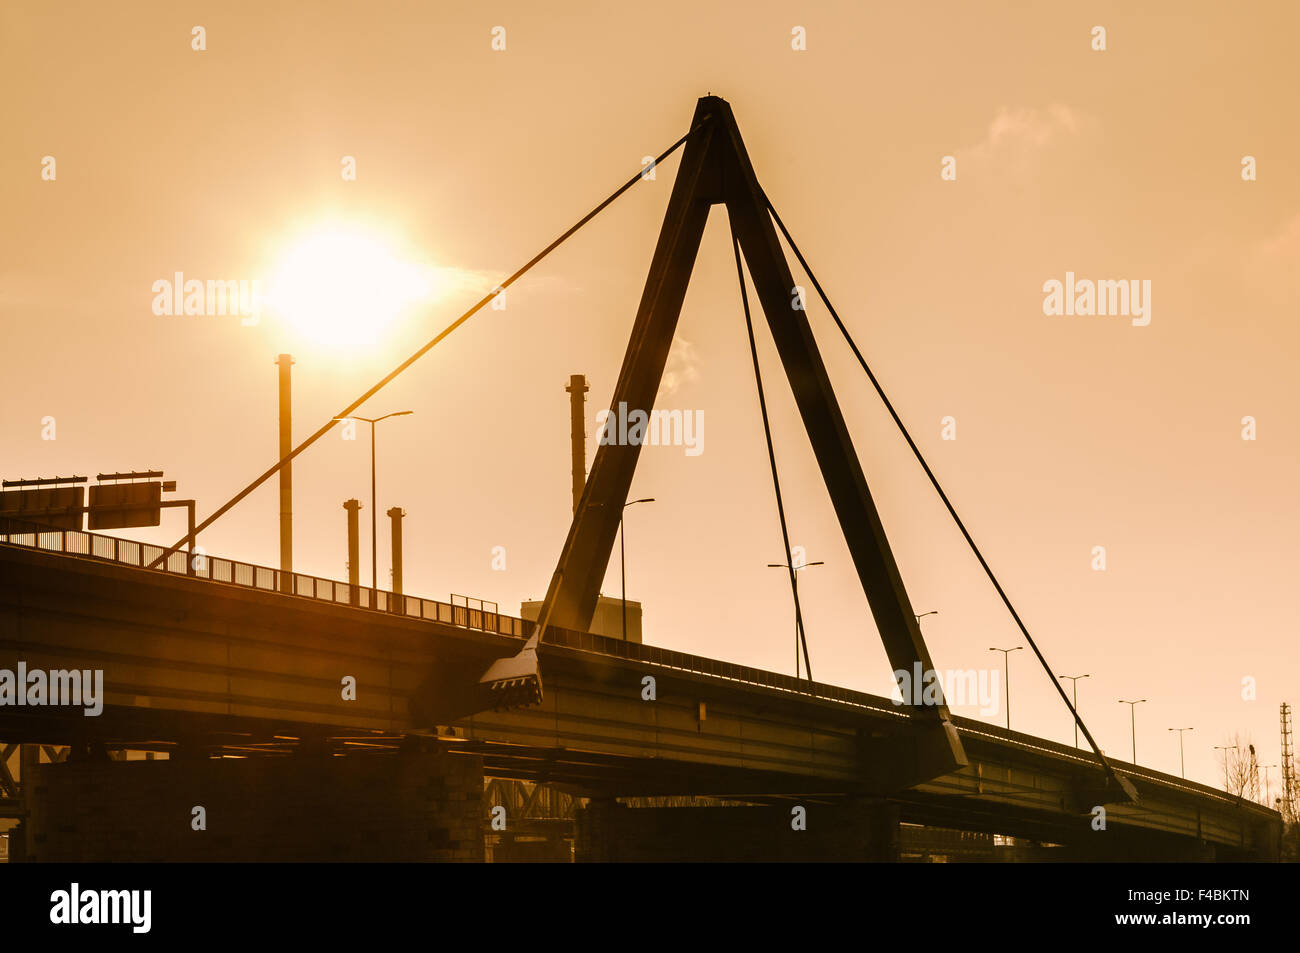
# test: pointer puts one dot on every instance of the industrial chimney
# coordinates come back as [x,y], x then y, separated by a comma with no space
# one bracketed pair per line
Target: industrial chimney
[354,551]
[577,391]
[396,514]
[286,475]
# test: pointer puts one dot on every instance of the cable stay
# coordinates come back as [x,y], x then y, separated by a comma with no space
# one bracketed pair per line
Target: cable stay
[771,457]
[1124,784]
[437,339]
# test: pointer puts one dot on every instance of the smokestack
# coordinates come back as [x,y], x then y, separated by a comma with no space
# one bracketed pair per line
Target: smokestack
[354,551]
[396,514]
[577,390]
[286,475]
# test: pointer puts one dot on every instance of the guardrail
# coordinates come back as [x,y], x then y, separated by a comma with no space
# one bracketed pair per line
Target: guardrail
[129,552]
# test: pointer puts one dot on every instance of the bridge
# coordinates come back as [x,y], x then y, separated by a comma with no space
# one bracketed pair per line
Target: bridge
[306,718]
[220,663]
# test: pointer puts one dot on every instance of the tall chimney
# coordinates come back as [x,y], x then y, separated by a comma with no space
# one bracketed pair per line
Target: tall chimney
[354,551]
[577,390]
[286,475]
[396,514]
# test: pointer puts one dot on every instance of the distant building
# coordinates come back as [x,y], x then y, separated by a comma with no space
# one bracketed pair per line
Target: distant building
[608,620]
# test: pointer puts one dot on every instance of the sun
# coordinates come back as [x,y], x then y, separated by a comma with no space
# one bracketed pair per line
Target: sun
[341,286]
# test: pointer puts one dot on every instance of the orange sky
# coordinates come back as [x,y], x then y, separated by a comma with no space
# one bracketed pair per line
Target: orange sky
[1073,432]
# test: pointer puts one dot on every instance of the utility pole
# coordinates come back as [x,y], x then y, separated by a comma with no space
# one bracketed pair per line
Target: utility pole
[800,638]
[1225,749]
[1182,767]
[1132,711]
[1287,767]
[1074,680]
[374,511]
[622,560]
[1006,675]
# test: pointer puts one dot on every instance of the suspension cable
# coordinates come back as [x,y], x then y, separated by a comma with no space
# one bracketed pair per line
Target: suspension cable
[771,457]
[1123,784]
[234,500]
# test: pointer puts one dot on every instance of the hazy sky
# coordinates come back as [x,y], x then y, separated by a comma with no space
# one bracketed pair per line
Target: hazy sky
[1072,431]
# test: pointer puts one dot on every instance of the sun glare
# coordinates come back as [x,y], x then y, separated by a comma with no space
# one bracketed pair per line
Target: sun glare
[342,287]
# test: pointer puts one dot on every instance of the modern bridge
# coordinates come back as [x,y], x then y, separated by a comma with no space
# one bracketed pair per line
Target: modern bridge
[362,723]
[221,662]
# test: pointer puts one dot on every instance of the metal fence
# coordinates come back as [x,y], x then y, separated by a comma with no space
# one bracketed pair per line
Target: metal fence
[129,552]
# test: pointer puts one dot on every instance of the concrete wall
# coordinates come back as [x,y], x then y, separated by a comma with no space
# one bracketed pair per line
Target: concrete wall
[375,807]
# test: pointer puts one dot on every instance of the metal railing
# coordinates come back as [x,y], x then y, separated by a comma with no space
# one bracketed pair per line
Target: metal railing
[129,552]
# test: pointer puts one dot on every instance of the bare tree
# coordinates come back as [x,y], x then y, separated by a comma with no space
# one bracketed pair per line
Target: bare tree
[1239,770]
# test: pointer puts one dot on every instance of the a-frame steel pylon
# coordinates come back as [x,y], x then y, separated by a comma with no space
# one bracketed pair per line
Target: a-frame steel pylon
[715,169]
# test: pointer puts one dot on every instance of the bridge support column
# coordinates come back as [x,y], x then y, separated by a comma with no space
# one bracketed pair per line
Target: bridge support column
[856,829]
[407,806]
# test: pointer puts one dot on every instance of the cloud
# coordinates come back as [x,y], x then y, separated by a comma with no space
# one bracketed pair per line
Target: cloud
[682,367]
[1016,136]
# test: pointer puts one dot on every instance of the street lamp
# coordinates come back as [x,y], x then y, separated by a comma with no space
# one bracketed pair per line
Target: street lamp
[1266,785]
[622,559]
[1006,675]
[924,614]
[1225,749]
[374,546]
[1132,712]
[798,615]
[1074,680]
[1182,766]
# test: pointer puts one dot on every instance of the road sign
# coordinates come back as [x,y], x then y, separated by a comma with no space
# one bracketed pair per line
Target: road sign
[122,505]
[49,505]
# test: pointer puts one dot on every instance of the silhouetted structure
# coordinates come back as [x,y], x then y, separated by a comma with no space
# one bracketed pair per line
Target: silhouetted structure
[353,507]
[395,515]
[285,361]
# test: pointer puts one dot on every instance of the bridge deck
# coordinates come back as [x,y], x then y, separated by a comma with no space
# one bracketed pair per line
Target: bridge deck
[222,658]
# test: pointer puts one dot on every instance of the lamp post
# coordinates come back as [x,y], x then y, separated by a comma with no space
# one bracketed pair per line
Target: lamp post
[1006,675]
[1225,749]
[1132,711]
[622,559]
[1182,765]
[374,546]
[798,615]
[1266,784]
[1074,679]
